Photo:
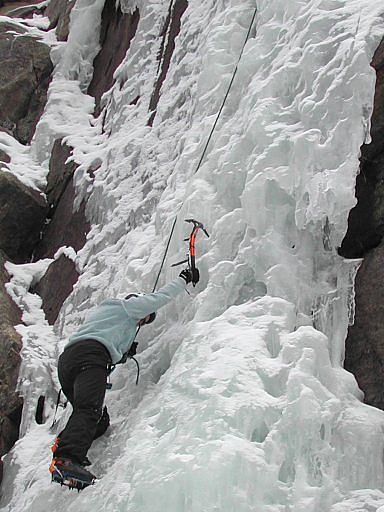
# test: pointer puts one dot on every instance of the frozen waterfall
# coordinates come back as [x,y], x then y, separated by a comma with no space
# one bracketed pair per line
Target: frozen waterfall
[243,404]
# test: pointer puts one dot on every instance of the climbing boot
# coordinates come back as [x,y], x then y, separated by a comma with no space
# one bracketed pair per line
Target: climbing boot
[68,473]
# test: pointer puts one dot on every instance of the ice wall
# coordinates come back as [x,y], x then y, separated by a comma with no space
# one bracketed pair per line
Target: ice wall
[243,404]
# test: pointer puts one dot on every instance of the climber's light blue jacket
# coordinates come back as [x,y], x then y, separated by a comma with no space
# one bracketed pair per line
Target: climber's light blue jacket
[114,322]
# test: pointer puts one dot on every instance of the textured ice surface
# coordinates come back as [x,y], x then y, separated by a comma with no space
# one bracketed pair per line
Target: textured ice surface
[243,404]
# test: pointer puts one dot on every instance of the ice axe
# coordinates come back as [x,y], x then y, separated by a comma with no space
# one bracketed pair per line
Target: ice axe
[191,259]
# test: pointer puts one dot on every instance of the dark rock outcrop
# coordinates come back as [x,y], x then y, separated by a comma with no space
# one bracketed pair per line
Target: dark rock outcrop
[4,158]
[66,227]
[22,216]
[10,346]
[25,74]
[365,341]
[24,78]
[56,285]
[24,11]
[169,33]
[58,12]
[117,32]
[366,219]
[60,173]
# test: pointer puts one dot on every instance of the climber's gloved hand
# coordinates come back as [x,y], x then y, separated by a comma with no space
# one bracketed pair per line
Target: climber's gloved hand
[190,275]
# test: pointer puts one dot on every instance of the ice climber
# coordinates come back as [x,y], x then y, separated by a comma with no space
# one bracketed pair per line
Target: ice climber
[106,335]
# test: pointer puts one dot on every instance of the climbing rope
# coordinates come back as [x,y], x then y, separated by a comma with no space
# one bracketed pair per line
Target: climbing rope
[165,253]
[208,141]
[126,355]
[226,94]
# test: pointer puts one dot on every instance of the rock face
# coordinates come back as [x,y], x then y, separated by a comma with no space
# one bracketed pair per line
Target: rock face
[29,225]
[22,215]
[366,220]
[170,32]
[365,341]
[117,32]
[60,173]
[24,78]
[25,74]
[25,11]
[10,346]
[58,12]
[66,227]
[4,158]
[56,285]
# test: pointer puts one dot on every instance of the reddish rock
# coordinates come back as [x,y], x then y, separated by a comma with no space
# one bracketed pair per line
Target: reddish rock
[24,11]
[25,75]
[58,12]
[117,32]
[22,216]
[8,6]
[4,158]
[169,33]
[56,285]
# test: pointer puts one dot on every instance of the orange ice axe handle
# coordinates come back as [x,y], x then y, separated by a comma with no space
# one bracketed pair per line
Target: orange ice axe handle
[191,259]
[192,248]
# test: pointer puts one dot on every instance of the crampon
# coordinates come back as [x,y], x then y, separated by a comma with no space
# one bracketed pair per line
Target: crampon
[65,472]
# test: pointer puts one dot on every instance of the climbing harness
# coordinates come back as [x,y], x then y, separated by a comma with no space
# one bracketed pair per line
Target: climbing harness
[127,355]
[130,354]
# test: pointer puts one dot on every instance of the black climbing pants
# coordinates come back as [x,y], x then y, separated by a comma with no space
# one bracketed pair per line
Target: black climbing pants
[82,373]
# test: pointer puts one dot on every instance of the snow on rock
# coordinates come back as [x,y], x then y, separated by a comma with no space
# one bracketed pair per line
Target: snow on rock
[22,164]
[69,252]
[38,341]
[243,403]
